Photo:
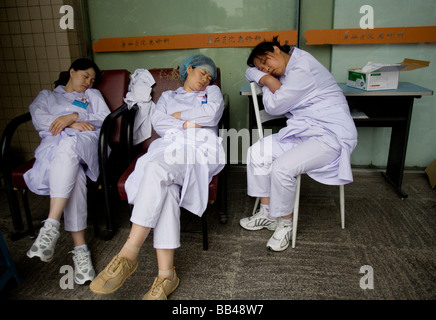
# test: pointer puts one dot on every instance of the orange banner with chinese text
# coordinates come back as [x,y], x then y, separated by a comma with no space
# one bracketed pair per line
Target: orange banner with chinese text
[371,36]
[193,41]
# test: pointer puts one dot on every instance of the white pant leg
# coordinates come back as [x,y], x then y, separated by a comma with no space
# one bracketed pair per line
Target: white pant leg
[76,209]
[68,180]
[166,233]
[260,157]
[63,169]
[153,189]
[308,155]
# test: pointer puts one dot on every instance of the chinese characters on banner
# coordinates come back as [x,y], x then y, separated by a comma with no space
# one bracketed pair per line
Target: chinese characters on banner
[251,39]
[192,41]
[371,36]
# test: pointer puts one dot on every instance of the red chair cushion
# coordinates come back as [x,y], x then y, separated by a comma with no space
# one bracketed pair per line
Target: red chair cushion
[122,181]
[18,173]
[113,86]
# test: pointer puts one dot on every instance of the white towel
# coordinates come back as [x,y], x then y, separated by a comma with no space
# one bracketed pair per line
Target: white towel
[140,93]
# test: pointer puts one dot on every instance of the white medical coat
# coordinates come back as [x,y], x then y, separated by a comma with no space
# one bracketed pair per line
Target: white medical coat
[48,106]
[315,107]
[203,153]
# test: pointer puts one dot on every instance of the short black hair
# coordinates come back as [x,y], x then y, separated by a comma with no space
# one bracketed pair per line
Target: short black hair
[266,46]
[79,64]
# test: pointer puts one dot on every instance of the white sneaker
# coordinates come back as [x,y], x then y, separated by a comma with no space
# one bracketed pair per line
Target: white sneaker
[258,221]
[45,243]
[281,238]
[83,268]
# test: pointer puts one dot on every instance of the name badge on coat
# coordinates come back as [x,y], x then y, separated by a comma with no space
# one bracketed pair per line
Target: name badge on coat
[202,97]
[80,104]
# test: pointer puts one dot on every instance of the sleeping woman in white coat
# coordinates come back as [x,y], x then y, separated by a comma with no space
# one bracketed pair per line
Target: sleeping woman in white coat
[318,139]
[68,119]
[175,172]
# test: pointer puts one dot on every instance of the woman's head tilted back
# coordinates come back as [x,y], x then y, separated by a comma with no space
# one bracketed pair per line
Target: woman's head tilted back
[197,72]
[81,64]
[197,61]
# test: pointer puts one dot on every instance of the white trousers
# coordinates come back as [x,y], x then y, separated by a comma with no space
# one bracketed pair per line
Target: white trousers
[157,202]
[273,167]
[68,180]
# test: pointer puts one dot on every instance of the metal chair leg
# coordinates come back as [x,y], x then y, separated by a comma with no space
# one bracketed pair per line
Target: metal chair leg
[295,214]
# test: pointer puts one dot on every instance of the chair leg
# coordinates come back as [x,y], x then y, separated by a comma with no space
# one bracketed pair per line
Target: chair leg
[31,229]
[109,232]
[342,204]
[256,204]
[205,231]
[295,215]
[222,198]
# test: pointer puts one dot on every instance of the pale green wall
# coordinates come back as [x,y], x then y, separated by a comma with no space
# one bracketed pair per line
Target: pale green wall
[119,18]
[316,15]
[115,18]
[374,142]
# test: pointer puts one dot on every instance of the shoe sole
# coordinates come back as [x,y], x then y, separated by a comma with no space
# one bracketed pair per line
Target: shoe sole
[80,282]
[114,289]
[33,255]
[276,250]
[280,249]
[166,295]
[257,228]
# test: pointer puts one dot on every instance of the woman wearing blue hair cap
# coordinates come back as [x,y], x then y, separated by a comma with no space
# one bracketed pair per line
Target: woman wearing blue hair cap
[197,61]
[174,173]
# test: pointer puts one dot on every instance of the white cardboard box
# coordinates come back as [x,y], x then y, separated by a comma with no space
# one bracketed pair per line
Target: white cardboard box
[383,78]
[376,76]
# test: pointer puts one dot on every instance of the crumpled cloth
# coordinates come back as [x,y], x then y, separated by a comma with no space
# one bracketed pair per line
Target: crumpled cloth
[140,94]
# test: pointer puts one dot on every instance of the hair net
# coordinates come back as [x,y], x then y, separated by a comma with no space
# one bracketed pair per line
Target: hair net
[197,61]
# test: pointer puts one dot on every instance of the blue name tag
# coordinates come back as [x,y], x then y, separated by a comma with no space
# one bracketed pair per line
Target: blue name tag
[80,104]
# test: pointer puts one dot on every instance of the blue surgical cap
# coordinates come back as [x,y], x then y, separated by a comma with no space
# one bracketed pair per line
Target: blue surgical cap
[197,61]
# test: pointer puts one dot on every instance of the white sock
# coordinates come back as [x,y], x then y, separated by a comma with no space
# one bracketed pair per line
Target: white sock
[54,222]
[287,222]
[265,209]
[83,246]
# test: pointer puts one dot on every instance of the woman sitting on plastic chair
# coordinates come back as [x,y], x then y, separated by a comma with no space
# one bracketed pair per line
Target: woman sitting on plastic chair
[318,139]
[175,172]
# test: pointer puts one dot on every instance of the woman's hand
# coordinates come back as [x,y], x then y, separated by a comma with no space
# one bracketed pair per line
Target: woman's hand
[190,124]
[62,122]
[177,115]
[253,74]
[263,78]
[82,126]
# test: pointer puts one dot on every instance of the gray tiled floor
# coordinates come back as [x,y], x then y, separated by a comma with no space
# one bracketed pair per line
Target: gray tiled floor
[397,238]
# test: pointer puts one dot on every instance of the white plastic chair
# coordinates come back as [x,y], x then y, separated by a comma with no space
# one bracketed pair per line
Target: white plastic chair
[262,117]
